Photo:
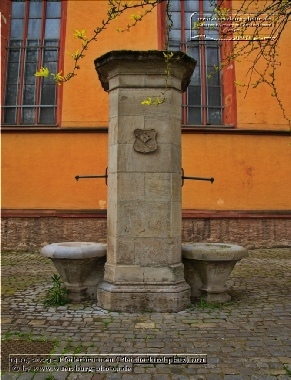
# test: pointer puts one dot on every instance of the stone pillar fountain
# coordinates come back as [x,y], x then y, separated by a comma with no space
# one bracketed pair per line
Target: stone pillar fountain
[144,271]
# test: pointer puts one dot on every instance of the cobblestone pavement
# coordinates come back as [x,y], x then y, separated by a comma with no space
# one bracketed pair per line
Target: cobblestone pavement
[248,338]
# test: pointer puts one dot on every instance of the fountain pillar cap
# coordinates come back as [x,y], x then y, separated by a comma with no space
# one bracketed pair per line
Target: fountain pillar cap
[144,62]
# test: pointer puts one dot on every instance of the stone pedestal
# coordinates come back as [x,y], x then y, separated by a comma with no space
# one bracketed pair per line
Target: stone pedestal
[208,266]
[80,264]
[144,271]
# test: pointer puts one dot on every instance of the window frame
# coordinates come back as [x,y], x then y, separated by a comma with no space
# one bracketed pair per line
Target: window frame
[38,84]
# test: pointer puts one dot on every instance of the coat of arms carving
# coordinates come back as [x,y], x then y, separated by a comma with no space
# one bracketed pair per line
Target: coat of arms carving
[145,141]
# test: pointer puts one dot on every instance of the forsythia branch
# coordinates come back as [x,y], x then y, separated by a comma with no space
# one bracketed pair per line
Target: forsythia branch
[115,9]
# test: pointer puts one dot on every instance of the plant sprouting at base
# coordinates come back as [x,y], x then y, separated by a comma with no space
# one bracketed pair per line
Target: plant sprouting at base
[57,295]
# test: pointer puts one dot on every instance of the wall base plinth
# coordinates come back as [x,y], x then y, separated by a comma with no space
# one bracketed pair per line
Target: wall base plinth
[142,297]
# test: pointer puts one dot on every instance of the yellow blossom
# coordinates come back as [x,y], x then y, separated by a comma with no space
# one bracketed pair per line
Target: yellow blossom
[80,34]
[58,78]
[43,72]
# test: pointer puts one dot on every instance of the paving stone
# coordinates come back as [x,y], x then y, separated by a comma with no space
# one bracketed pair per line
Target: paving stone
[25,376]
[9,376]
[247,339]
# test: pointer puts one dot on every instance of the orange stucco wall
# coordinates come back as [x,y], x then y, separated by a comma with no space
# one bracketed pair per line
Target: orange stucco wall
[258,109]
[84,101]
[252,172]
[38,171]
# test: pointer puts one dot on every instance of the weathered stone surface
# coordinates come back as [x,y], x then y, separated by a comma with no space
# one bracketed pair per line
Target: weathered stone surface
[74,250]
[144,178]
[213,252]
[80,265]
[148,250]
[166,159]
[213,263]
[192,278]
[133,298]
[150,62]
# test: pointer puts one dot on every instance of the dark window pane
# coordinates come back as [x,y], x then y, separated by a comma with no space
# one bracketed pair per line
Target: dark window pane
[194,115]
[50,55]
[175,6]
[16,30]
[53,9]
[190,5]
[35,43]
[175,35]
[13,43]
[214,116]
[11,94]
[17,9]
[193,51]
[29,95]
[51,42]
[28,115]
[52,66]
[31,56]
[14,56]
[48,94]
[34,27]
[194,95]
[52,28]
[47,116]
[208,5]
[13,72]
[10,115]
[175,45]
[213,77]
[196,79]
[212,56]
[213,96]
[30,69]
[176,18]
[35,9]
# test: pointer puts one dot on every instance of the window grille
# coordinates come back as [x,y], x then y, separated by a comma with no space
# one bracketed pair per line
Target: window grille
[202,102]
[34,42]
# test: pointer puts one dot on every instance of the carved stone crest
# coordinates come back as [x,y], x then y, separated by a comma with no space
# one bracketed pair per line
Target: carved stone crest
[145,141]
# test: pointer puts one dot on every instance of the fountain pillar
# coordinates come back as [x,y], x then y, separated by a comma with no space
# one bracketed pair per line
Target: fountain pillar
[144,270]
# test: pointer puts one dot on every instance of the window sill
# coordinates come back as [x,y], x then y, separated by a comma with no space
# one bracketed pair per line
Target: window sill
[30,126]
[186,128]
[224,129]
[52,129]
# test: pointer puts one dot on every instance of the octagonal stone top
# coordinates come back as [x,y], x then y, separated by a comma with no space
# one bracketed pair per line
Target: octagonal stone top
[74,250]
[138,62]
[213,252]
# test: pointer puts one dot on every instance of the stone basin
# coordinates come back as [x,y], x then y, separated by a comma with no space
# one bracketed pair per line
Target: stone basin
[207,267]
[80,265]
